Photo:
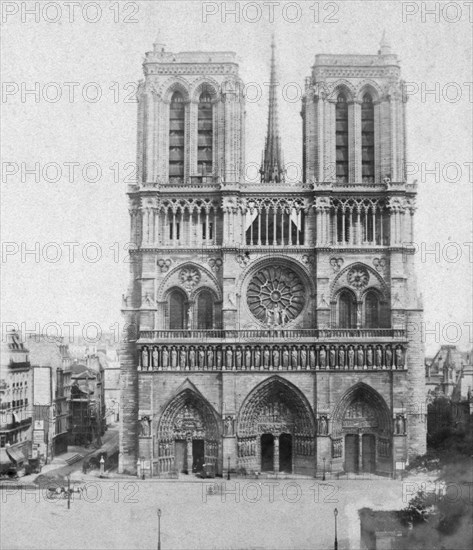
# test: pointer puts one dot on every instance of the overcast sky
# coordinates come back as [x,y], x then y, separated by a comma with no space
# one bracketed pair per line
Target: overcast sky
[435,53]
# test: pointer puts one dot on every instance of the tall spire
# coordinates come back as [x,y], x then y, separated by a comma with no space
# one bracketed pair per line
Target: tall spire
[384,46]
[272,167]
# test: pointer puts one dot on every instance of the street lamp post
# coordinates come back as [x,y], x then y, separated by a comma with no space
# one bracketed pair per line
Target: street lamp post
[335,544]
[159,528]
[323,476]
[228,469]
[68,491]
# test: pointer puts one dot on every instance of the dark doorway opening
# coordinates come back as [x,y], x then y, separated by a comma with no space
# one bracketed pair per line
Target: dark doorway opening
[267,453]
[368,453]
[181,455]
[198,455]
[351,453]
[285,453]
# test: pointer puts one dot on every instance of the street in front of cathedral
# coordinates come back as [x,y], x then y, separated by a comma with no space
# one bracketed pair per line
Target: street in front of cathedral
[236,514]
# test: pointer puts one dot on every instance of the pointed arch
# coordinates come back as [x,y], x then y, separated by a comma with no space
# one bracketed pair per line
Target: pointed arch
[368,86]
[362,393]
[298,412]
[187,418]
[375,280]
[205,85]
[175,84]
[276,416]
[342,86]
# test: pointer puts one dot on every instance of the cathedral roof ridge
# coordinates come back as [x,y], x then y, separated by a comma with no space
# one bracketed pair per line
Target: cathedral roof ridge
[196,56]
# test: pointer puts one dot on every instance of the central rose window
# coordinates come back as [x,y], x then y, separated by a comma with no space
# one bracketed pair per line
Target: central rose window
[275,295]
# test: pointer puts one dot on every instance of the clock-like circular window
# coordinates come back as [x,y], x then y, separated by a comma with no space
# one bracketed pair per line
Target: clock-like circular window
[275,295]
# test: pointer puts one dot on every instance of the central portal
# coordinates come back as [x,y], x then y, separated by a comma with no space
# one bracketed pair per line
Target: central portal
[267,452]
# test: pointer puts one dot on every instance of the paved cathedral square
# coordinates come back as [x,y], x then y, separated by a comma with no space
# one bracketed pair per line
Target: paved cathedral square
[271,326]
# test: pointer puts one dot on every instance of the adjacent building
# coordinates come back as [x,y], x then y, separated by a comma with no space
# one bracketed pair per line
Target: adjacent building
[15,403]
[87,405]
[50,360]
[267,323]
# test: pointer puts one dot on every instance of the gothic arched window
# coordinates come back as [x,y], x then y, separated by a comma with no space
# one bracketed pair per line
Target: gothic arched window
[205,135]
[176,136]
[346,310]
[205,310]
[341,138]
[367,139]
[177,310]
[371,310]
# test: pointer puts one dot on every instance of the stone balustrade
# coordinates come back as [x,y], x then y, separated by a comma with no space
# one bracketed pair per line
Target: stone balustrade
[285,335]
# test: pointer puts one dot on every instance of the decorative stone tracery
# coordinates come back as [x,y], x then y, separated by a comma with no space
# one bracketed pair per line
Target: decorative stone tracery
[275,295]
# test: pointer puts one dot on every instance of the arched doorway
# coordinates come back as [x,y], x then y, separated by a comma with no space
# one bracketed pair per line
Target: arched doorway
[362,422]
[188,434]
[276,429]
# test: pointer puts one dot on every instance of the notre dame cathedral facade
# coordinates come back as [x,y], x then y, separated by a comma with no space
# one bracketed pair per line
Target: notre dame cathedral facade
[271,326]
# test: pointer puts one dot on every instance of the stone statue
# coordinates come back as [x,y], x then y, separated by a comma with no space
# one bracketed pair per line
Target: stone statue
[219,358]
[201,358]
[332,358]
[360,357]
[145,426]
[341,358]
[312,359]
[144,358]
[165,358]
[248,357]
[379,356]
[399,425]
[323,425]
[210,358]
[351,358]
[323,358]
[173,357]
[228,425]
[266,356]
[155,357]
[125,298]
[182,358]
[369,357]
[270,317]
[257,358]
[229,358]
[399,358]
[303,357]
[285,358]
[192,357]
[389,357]
[276,357]
[238,358]
[294,358]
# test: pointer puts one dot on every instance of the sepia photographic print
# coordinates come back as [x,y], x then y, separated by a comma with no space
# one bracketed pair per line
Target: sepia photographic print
[236,290]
